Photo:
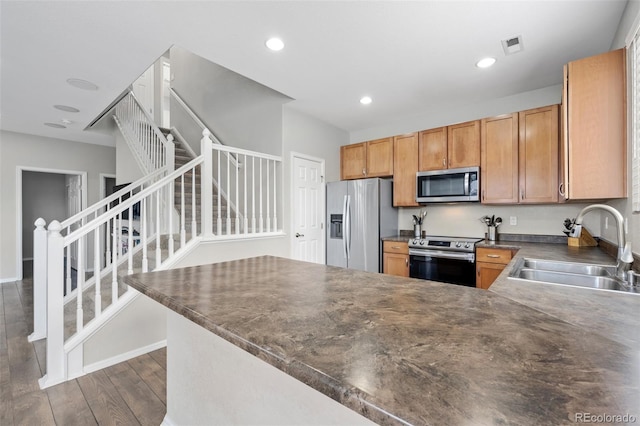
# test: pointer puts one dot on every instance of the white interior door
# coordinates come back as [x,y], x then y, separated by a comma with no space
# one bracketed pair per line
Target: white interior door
[308,209]
[143,89]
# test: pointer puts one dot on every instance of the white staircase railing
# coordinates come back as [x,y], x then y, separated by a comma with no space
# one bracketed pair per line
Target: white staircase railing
[66,227]
[131,253]
[151,149]
[251,184]
[141,228]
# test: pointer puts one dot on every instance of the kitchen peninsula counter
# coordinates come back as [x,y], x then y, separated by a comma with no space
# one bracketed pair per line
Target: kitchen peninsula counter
[612,314]
[399,350]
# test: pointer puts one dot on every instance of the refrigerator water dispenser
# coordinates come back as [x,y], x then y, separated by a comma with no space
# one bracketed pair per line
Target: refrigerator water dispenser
[336,226]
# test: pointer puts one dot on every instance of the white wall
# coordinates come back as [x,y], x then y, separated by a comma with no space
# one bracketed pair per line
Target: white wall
[309,136]
[239,111]
[223,251]
[127,168]
[117,337]
[464,219]
[17,149]
[444,115]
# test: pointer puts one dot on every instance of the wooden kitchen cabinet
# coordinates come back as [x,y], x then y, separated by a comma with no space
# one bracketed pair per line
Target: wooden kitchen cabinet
[353,161]
[450,147]
[499,154]
[463,145]
[490,262]
[380,158]
[395,258]
[594,143]
[405,167]
[367,159]
[538,148]
[432,149]
[520,157]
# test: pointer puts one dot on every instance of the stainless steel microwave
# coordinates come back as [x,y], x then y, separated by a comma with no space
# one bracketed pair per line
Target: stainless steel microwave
[447,186]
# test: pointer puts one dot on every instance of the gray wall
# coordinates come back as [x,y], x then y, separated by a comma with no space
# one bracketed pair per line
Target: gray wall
[239,111]
[307,135]
[43,195]
[21,150]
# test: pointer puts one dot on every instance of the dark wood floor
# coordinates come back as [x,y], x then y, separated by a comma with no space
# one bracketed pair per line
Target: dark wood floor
[129,393]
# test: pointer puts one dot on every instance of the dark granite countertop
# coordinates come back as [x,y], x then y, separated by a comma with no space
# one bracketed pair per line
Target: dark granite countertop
[400,350]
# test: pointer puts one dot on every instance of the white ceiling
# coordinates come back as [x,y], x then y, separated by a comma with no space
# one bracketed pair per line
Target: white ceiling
[410,57]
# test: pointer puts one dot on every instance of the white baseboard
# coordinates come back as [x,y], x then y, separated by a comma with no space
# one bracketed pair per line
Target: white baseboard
[167,421]
[8,280]
[33,337]
[123,357]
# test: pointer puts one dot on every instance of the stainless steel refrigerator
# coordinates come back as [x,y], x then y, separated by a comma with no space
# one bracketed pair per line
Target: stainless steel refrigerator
[359,213]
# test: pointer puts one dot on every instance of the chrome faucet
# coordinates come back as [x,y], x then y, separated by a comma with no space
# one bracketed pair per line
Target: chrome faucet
[625,257]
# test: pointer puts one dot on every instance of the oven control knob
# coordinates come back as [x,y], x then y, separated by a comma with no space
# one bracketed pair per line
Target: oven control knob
[415,242]
[458,244]
[421,242]
[467,245]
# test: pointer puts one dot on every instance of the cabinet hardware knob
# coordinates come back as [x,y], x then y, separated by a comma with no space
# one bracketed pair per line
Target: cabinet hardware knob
[364,172]
[444,162]
[561,188]
[493,256]
[406,262]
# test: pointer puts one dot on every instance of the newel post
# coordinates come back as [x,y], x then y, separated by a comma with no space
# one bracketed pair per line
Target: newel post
[39,281]
[55,308]
[206,184]
[170,154]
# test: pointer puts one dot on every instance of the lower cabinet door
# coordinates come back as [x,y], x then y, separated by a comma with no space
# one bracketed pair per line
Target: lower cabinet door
[396,264]
[486,273]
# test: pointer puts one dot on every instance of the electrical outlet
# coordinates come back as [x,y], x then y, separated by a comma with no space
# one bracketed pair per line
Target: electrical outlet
[606,222]
[513,220]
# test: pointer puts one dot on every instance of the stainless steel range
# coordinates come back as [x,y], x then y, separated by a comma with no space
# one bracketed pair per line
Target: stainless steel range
[446,259]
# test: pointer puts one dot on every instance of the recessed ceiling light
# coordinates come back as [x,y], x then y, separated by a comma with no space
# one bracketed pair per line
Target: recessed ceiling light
[66,108]
[366,100]
[55,125]
[275,44]
[485,62]
[82,84]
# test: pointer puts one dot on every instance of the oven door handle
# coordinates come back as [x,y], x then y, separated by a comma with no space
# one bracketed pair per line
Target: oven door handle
[442,254]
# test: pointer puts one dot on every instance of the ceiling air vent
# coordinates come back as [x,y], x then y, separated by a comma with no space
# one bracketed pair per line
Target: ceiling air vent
[512,45]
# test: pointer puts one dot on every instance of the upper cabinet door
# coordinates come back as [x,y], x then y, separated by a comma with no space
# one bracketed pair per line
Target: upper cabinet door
[432,150]
[538,167]
[499,169]
[464,145]
[353,161]
[405,166]
[595,142]
[380,158]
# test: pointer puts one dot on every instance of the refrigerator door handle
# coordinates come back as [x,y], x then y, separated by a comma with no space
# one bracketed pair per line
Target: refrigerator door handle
[344,235]
[348,227]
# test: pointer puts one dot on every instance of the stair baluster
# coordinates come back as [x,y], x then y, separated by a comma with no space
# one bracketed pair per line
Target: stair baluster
[96,269]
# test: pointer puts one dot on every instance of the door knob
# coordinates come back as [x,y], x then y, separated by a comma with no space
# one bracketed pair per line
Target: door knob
[298,235]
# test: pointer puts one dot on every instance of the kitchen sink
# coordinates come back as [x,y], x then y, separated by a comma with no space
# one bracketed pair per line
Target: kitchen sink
[574,274]
[570,267]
